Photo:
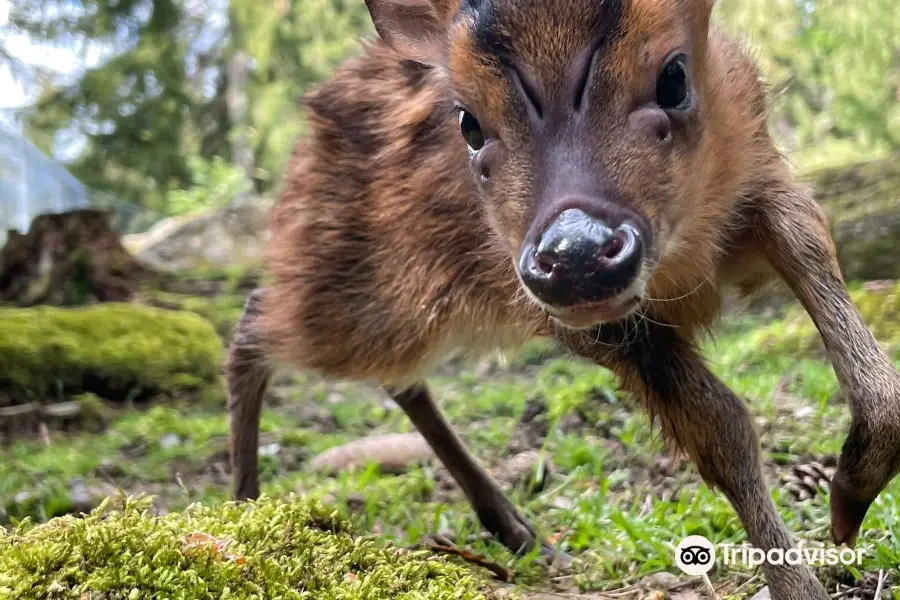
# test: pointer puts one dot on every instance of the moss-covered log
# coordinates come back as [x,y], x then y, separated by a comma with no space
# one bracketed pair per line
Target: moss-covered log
[287,549]
[117,351]
[863,205]
[68,259]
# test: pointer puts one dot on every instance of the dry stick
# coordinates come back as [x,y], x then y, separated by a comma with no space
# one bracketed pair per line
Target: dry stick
[502,573]
[880,584]
[746,584]
[710,588]
[638,586]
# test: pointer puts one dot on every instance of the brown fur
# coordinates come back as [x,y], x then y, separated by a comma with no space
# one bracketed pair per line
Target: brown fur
[388,252]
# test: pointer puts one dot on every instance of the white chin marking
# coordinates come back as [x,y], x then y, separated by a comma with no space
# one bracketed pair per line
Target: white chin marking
[629,298]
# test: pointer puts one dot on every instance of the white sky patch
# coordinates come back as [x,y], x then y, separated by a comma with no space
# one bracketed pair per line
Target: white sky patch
[63,62]
[13,93]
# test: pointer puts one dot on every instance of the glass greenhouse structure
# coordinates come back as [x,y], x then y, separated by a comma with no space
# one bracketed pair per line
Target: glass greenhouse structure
[32,183]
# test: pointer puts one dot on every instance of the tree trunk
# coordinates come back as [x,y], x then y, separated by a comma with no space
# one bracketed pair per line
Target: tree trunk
[236,98]
[68,259]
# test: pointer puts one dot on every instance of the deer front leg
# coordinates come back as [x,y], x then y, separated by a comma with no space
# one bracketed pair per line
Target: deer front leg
[699,414]
[247,374]
[496,513]
[793,233]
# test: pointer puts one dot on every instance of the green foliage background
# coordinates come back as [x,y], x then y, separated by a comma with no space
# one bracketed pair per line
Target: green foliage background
[155,117]
[834,68]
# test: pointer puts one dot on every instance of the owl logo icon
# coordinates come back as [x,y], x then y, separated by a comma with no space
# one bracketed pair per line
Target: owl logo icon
[695,555]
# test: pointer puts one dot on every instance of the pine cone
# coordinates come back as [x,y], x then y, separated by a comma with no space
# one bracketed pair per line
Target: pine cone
[807,480]
[865,589]
[532,428]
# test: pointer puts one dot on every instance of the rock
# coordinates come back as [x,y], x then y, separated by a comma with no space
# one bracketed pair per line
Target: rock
[862,202]
[355,503]
[805,412]
[226,237]
[109,469]
[269,450]
[563,503]
[660,581]
[521,469]
[393,453]
[684,595]
[82,502]
[170,440]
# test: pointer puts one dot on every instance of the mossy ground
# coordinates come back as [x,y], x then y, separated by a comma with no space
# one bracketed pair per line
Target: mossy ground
[614,498]
[217,295]
[119,351]
[288,549]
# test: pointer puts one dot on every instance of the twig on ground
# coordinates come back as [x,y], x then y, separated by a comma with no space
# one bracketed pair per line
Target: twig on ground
[710,588]
[440,545]
[746,584]
[880,587]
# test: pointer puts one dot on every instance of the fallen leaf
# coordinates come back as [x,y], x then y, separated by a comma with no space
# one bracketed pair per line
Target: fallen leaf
[203,541]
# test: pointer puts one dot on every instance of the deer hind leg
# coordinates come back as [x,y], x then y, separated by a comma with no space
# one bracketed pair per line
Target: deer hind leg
[247,374]
[793,232]
[711,424]
[496,513]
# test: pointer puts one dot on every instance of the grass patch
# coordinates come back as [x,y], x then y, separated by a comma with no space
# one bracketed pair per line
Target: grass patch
[613,497]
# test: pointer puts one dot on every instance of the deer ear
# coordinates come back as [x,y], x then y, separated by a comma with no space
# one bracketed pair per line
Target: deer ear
[416,29]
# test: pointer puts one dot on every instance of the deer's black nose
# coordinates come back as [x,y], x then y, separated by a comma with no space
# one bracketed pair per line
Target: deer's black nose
[579,258]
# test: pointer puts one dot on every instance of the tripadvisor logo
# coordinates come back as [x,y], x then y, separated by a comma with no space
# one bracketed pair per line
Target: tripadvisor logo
[801,555]
[696,555]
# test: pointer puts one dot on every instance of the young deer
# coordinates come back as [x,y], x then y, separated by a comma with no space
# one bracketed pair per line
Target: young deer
[598,171]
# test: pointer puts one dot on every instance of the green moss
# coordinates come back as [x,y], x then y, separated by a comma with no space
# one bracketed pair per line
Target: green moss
[794,336]
[93,414]
[858,190]
[118,351]
[861,203]
[223,311]
[291,548]
[228,280]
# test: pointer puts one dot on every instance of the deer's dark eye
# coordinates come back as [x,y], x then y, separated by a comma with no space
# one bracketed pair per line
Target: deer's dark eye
[471,131]
[673,90]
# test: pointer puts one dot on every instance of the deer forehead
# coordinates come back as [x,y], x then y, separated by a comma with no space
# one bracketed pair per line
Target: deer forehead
[550,41]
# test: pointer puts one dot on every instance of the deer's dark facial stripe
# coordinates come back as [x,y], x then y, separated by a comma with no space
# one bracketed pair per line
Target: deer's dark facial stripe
[496,25]
[548,55]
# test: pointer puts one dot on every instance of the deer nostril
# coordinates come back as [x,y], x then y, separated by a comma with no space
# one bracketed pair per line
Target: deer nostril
[613,246]
[544,263]
[620,246]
